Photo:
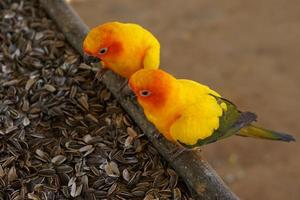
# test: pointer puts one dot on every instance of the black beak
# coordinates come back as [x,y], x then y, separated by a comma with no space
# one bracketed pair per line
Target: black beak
[90,59]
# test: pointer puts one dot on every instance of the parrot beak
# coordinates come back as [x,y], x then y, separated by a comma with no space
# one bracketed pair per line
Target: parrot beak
[90,59]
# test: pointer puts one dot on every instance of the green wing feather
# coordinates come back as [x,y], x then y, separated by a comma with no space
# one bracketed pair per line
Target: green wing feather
[231,122]
[235,122]
[258,132]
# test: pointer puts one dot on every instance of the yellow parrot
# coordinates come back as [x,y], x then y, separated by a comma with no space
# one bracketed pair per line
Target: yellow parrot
[190,113]
[123,47]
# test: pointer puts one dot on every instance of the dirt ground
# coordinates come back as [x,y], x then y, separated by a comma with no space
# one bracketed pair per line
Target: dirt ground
[249,51]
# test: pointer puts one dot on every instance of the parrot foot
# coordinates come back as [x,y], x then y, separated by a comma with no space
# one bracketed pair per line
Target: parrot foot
[127,93]
[157,134]
[100,73]
[175,153]
[130,96]
[123,85]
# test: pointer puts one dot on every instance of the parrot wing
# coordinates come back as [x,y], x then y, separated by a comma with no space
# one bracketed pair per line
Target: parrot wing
[229,123]
[151,57]
[258,132]
[244,127]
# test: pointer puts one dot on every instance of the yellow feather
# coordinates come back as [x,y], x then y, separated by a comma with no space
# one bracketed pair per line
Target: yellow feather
[140,49]
[200,116]
[187,111]
[182,110]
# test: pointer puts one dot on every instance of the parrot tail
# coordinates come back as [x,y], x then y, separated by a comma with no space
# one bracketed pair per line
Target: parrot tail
[254,131]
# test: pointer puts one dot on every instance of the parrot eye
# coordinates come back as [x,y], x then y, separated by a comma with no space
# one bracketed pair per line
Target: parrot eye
[145,93]
[102,51]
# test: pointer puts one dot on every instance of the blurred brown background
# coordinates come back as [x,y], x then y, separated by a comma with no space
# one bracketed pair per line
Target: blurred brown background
[249,51]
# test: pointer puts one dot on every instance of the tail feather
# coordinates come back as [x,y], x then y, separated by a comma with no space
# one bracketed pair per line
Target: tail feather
[254,131]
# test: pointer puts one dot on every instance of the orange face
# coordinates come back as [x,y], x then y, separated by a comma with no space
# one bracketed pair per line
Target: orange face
[101,42]
[152,87]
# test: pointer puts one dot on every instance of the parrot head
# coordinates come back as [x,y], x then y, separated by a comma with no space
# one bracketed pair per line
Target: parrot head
[153,87]
[102,42]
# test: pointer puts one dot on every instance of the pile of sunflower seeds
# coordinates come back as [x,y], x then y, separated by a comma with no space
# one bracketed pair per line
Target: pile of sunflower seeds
[63,135]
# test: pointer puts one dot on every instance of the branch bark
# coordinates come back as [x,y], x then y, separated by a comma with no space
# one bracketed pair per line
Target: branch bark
[191,166]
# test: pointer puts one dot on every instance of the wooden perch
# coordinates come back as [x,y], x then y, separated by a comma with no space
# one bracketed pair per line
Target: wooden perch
[195,171]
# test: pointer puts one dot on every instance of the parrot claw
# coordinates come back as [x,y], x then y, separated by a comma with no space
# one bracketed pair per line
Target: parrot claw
[123,85]
[100,74]
[130,96]
[175,153]
[127,93]
[157,134]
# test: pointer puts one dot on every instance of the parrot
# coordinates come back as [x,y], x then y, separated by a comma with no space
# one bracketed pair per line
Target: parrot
[191,114]
[123,48]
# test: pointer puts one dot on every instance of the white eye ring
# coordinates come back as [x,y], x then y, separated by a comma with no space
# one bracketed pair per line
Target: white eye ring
[145,93]
[103,51]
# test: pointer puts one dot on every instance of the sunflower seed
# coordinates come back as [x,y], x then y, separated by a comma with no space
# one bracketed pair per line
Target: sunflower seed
[12,174]
[59,159]
[47,172]
[62,135]
[112,169]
